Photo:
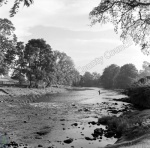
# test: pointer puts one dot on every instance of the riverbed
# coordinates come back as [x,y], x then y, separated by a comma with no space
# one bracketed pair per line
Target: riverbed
[62,120]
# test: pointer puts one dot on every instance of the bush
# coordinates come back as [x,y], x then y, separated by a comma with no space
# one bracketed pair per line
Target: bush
[139,95]
[124,125]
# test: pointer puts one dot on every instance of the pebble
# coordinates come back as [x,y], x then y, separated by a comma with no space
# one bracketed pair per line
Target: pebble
[68,141]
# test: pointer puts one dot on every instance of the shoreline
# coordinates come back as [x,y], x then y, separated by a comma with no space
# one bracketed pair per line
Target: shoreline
[27,95]
[129,140]
[125,141]
[22,97]
[16,91]
[19,120]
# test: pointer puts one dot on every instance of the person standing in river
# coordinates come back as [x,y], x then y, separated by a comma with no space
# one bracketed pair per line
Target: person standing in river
[99,92]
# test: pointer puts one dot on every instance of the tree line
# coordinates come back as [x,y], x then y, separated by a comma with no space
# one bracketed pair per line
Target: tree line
[116,77]
[112,77]
[35,61]
[119,77]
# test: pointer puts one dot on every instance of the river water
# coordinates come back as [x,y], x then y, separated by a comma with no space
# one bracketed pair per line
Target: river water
[83,95]
[79,106]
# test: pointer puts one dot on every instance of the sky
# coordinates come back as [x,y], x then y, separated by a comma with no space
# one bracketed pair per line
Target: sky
[65,25]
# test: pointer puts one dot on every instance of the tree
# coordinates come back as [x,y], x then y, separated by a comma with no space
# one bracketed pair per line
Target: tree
[146,70]
[126,76]
[107,78]
[132,16]
[87,79]
[18,76]
[7,45]
[96,79]
[65,72]
[20,64]
[39,60]
[76,78]
[16,5]
[90,79]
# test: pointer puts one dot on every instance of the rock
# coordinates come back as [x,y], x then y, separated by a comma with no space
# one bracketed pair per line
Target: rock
[74,124]
[124,110]
[13,144]
[109,134]
[44,131]
[98,124]
[79,110]
[92,122]
[73,104]
[90,139]
[114,111]
[62,119]
[68,141]
[38,137]
[86,109]
[98,132]
[40,145]
[95,116]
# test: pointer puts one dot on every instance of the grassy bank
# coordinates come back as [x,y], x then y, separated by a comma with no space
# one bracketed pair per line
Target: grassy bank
[15,91]
[26,95]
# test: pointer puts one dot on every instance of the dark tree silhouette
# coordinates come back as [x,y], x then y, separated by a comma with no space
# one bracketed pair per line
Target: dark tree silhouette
[40,60]
[107,78]
[126,76]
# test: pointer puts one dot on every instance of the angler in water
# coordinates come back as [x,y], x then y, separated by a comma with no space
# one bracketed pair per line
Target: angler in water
[99,92]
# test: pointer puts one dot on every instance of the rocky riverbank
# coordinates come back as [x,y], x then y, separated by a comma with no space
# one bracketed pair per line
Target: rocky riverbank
[27,124]
[133,129]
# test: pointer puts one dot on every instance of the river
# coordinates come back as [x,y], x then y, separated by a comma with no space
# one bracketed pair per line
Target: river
[73,111]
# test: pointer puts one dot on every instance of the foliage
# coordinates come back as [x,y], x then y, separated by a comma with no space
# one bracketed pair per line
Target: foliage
[7,45]
[87,79]
[139,91]
[65,72]
[126,76]
[96,78]
[39,60]
[18,76]
[90,79]
[129,125]
[131,16]
[16,5]
[109,73]
[146,70]
[20,63]
[76,78]
[37,63]
[139,94]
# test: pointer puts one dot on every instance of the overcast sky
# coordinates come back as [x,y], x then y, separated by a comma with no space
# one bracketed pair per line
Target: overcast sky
[65,25]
